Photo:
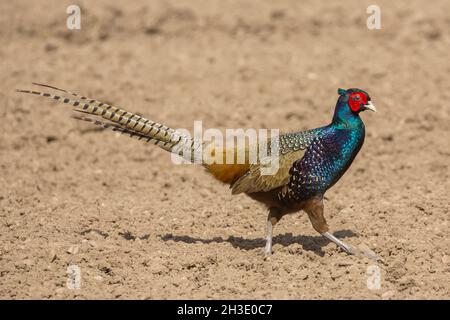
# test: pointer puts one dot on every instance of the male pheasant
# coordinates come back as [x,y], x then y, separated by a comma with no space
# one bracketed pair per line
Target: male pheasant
[310,162]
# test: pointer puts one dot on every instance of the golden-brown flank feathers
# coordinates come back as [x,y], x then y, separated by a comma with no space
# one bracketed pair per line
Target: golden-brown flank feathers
[248,177]
[223,169]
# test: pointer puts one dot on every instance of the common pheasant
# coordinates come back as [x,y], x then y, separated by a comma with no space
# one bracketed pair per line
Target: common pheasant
[310,162]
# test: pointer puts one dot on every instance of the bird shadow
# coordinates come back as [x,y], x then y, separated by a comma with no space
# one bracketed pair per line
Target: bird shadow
[308,243]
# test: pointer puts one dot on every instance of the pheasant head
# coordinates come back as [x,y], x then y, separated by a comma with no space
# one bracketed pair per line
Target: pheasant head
[350,103]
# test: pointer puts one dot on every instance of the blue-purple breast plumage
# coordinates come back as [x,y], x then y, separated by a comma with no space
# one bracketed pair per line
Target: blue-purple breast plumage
[329,151]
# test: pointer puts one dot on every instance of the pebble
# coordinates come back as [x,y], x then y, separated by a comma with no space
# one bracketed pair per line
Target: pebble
[388,294]
[28,262]
[73,249]
[98,278]
[303,274]
[60,290]
[52,255]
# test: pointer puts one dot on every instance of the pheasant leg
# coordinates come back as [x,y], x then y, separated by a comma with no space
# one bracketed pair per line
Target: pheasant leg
[351,249]
[274,216]
[268,247]
[346,247]
[314,208]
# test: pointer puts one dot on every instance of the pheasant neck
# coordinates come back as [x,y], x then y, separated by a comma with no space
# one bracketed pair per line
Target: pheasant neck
[345,118]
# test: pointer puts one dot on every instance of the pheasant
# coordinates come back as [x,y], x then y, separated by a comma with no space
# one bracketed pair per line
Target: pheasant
[310,162]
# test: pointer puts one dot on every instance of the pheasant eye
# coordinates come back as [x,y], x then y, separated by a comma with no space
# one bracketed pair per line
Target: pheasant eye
[356,97]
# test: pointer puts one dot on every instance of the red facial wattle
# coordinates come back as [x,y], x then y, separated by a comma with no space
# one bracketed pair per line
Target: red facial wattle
[356,100]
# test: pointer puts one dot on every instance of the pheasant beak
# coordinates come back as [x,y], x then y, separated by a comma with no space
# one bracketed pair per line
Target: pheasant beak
[370,106]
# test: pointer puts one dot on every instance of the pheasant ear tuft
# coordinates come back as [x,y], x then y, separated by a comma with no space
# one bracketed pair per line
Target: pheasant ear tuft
[341,91]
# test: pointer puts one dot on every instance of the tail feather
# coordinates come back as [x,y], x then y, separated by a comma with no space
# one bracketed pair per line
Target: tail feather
[138,127]
[123,119]
[67,91]
[91,101]
[114,127]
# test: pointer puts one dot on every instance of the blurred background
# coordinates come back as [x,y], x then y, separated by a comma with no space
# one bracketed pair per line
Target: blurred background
[138,226]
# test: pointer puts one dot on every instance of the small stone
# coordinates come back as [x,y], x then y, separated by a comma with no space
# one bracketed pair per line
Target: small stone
[335,275]
[346,212]
[388,294]
[98,278]
[28,262]
[73,249]
[303,275]
[59,290]
[445,259]
[52,255]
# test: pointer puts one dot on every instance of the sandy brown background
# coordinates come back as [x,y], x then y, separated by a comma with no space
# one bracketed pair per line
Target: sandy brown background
[140,227]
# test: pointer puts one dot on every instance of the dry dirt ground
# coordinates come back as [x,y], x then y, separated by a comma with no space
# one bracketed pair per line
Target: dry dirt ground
[141,227]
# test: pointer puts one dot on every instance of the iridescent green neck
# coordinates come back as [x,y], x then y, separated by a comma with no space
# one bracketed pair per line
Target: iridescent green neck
[344,117]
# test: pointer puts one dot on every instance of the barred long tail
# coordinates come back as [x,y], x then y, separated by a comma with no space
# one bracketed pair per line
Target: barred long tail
[124,121]
[136,126]
[114,127]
